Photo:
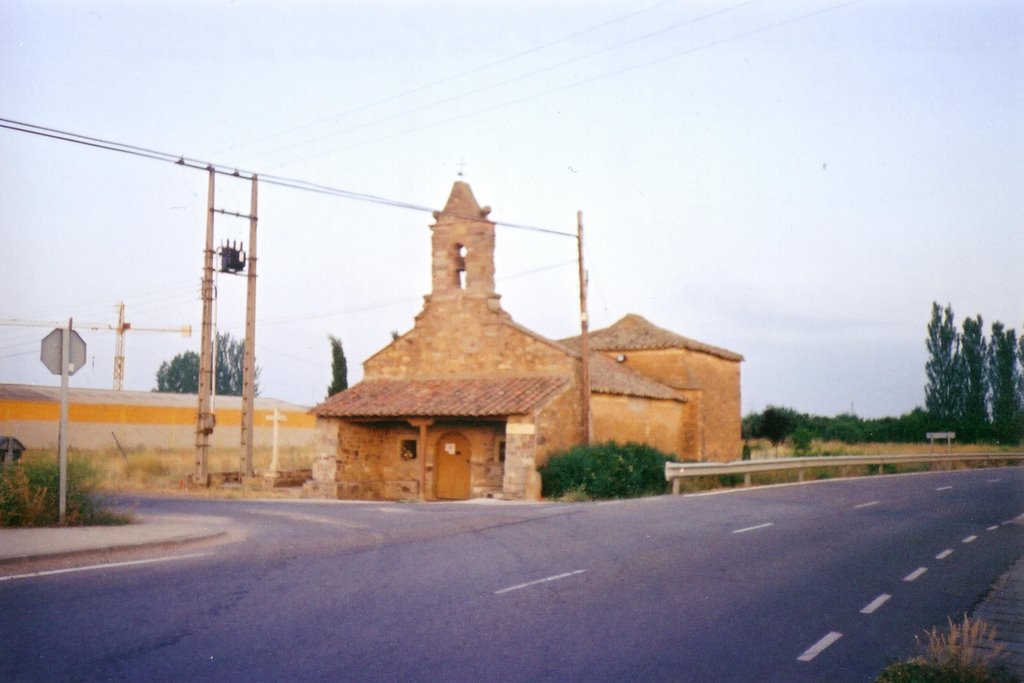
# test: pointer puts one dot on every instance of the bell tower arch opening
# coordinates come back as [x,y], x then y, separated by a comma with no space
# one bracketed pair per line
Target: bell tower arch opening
[463,248]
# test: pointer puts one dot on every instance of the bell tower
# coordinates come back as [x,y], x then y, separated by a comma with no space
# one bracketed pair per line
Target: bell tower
[462,241]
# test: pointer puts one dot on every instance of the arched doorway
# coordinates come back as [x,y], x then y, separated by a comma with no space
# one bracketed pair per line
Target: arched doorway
[452,458]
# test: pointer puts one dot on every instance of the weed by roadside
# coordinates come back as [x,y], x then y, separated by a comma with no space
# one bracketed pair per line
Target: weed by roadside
[965,652]
[29,492]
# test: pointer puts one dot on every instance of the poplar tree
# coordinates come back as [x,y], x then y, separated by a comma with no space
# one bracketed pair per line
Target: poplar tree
[1005,383]
[339,367]
[942,392]
[974,380]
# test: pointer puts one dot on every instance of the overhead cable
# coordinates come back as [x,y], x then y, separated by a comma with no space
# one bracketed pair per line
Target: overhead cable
[221,169]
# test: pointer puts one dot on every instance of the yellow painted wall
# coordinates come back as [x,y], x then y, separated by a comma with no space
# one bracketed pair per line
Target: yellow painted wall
[716,380]
[90,425]
[657,423]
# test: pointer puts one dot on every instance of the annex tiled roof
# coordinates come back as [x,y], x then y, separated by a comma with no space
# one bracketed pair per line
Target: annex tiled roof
[635,333]
[441,397]
[609,377]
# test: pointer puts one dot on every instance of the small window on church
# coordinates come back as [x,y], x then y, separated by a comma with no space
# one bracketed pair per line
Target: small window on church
[501,450]
[460,266]
[408,449]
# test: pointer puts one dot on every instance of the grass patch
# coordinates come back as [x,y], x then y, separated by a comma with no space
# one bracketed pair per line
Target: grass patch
[965,652]
[29,494]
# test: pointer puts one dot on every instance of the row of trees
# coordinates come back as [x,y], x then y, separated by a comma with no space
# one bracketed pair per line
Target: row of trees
[974,384]
[778,423]
[180,375]
[975,387]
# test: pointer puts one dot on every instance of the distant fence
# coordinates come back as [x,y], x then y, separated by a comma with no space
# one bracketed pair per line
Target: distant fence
[675,472]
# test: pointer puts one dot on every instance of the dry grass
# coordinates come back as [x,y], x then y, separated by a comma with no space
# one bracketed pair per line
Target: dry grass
[966,645]
[762,448]
[966,652]
[168,470]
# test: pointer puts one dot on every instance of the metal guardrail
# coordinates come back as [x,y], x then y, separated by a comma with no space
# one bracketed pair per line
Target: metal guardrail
[675,472]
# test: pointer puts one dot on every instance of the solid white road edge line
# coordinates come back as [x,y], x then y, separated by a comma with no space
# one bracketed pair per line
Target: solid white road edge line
[819,646]
[914,575]
[944,554]
[876,603]
[556,577]
[753,528]
[91,567]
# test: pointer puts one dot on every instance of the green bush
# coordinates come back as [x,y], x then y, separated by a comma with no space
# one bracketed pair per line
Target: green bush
[920,671]
[29,492]
[607,470]
[802,439]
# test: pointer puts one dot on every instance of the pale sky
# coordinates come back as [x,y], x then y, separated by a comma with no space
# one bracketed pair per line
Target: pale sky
[795,181]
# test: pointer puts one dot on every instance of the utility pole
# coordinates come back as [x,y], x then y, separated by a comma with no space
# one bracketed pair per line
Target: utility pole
[204,417]
[584,337]
[249,363]
[232,261]
[119,348]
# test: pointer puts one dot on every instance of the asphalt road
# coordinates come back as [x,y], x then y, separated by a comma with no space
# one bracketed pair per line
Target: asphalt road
[822,582]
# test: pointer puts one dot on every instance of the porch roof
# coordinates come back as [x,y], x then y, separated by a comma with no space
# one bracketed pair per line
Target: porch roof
[485,397]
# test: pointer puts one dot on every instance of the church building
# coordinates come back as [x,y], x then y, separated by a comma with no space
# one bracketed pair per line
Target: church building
[469,404]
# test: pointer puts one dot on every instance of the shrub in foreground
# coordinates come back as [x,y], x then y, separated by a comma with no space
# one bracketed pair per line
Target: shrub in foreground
[607,470]
[29,492]
[964,653]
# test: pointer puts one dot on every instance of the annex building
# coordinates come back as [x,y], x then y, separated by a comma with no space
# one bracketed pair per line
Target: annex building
[469,404]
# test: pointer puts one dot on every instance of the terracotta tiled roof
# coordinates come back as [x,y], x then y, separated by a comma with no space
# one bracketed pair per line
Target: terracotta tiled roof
[635,333]
[441,397]
[609,377]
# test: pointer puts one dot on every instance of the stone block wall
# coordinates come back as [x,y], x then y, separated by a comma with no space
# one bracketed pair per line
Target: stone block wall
[463,338]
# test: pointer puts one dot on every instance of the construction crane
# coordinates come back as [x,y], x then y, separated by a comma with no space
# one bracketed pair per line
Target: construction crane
[121,327]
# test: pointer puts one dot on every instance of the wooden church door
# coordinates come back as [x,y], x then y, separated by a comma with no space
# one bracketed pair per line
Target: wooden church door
[452,458]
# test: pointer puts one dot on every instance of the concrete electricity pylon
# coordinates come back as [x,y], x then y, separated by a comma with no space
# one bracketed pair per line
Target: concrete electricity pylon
[233,260]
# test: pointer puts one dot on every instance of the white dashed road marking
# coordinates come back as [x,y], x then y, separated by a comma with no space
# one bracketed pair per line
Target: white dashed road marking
[819,647]
[992,528]
[915,575]
[944,554]
[753,528]
[866,505]
[944,488]
[92,567]
[970,539]
[556,577]
[876,603]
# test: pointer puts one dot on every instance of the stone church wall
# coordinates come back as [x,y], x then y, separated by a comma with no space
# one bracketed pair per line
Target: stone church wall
[717,380]
[624,418]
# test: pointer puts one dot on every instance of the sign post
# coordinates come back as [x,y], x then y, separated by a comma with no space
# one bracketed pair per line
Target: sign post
[63,353]
[948,436]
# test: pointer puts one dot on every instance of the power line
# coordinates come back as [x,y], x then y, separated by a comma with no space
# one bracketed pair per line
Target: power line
[587,81]
[221,169]
[513,79]
[454,77]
